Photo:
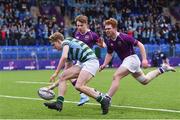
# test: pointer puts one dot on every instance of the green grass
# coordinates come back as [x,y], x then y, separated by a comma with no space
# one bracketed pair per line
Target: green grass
[161,93]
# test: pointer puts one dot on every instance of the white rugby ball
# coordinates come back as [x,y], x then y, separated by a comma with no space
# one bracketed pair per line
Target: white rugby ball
[46,94]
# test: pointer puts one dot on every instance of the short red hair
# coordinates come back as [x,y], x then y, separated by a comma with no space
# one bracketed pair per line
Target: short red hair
[113,22]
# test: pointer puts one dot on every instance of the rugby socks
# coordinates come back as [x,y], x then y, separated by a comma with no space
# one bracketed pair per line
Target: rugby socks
[99,98]
[101,94]
[60,99]
[161,70]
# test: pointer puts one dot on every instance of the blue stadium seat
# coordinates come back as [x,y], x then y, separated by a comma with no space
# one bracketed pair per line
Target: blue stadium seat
[47,52]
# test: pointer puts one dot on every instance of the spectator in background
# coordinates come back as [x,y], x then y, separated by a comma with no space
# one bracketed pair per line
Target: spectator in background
[172,37]
[3,35]
[136,14]
[32,36]
[152,36]
[159,58]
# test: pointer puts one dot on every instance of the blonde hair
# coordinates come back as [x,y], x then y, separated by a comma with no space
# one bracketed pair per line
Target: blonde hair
[113,22]
[56,37]
[82,19]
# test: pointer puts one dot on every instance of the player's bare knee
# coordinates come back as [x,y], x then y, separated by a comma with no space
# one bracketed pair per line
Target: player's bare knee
[143,80]
[78,87]
[76,73]
[116,77]
[62,77]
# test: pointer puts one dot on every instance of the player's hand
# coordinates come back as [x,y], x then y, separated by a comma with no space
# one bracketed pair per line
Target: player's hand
[52,78]
[101,67]
[100,42]
[145,63]
[51,87]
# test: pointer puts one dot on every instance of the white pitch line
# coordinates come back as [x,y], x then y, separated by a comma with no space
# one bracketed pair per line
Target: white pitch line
[26,82]
[117,106]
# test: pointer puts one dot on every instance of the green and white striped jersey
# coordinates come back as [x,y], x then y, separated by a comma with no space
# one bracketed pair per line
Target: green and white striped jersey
[78,50]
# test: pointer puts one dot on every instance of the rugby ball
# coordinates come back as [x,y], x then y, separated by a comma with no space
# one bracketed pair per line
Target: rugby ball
[46,94]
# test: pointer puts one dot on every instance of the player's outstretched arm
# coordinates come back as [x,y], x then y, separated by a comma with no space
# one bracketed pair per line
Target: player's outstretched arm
[62,61]
[68,64]
[106,61]
[143,55]
[101,43]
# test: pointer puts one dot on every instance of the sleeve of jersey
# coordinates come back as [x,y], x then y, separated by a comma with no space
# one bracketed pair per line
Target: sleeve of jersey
[95,36]
[65,42]
[75,34]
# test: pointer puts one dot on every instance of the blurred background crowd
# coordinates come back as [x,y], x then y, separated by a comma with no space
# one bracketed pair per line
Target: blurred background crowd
[30,22]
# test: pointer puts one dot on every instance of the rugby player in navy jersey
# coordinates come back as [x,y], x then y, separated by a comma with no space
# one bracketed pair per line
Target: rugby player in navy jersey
[123,45]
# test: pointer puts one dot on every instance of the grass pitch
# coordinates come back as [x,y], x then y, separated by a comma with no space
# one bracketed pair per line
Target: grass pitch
[158,100]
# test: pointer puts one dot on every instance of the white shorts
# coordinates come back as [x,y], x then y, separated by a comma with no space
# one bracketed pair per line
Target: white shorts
[91,66]
[132,63]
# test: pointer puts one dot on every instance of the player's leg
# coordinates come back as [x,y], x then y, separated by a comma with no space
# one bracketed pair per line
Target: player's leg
[83,78]
[88,71]
[83,98]
[118,75]
[129,65]
[145,79]
[70,73]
